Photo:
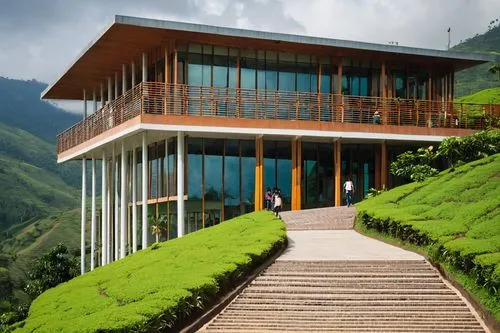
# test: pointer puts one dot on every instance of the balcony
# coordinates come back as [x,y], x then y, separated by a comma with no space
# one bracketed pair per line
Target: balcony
[157,98]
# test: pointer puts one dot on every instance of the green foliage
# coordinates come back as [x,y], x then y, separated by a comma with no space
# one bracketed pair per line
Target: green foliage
[373,192]
[414,166]
[456,213]
[51,269]
[469,148]
[477,78]
[485,96]
[152,290]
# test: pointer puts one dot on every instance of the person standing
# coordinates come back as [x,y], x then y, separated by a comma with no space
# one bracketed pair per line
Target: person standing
[269,199]
[349,191]
[277,204]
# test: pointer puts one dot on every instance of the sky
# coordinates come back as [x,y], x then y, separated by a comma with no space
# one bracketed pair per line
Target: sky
[40,39]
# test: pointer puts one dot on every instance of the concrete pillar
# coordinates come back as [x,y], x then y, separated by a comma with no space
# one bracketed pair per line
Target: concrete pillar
[116,210]
[144,67]
[116,85]
[84,103]
[132,66]
[102,94]
[93,220]
[180,184]
[144,190]
[110,90]
[124,79]
[104,210]
[84,215]
[134,201]
[123,204]
[94,101]
[109,218]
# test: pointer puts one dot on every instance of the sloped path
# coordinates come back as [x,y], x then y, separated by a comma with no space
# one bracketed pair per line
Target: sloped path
[340,281]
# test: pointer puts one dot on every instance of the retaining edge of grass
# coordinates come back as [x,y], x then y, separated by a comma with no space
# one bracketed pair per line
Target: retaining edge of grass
[455,277]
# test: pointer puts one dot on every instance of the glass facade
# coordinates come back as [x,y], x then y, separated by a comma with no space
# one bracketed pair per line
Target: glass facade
[278,169]
[220,178]
[317,175]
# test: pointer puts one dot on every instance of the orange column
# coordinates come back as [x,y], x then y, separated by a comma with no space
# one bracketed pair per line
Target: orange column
[259,179]
[383,166]
[377,166]
[296,173]
[337,172]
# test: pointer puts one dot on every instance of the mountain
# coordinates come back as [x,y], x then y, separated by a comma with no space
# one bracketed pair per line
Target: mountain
[472,80]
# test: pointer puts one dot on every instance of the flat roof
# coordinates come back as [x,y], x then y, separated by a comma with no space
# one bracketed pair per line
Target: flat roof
[127,37]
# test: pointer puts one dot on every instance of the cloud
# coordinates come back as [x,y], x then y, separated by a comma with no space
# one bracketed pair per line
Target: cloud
[39,39]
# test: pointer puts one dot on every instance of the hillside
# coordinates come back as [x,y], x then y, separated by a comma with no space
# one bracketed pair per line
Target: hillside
[457,214]
[472,80]
[486,96]
[21,107]
[158,287]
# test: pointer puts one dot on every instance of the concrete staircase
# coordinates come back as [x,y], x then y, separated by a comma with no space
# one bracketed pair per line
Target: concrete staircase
[347,296]
[331,218]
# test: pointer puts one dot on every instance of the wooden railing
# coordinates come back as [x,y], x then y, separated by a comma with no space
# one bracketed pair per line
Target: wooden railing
[169,99]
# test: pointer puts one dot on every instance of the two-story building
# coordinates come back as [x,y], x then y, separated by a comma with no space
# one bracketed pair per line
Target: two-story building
[194,123]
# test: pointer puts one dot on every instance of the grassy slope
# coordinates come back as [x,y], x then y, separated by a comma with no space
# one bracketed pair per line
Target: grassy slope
[459,210]
[134,292]
[485,96]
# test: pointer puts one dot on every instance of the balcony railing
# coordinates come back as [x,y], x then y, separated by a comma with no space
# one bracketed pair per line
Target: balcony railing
[169,99]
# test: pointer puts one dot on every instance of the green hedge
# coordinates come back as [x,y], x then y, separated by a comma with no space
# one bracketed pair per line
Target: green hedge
[159,287]
[456,214]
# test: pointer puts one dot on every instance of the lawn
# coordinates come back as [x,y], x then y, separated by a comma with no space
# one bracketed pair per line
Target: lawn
[454,217]
[160,286]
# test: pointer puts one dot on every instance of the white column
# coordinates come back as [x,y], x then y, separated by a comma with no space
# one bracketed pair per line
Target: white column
[104,212]
[132,66]
[84,103]
[116,212]
[180,184]
[116,85]
[84,215]
[93,219]
[134,200]
[102,94]
[109,218]
[123,204]
[94,101]
[124,79]
[144,191]
[110,89]
[144,67]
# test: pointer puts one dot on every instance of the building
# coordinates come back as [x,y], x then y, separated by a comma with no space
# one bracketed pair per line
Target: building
[198,121]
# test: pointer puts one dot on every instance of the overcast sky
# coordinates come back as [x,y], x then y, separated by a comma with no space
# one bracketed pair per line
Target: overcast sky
[39,39]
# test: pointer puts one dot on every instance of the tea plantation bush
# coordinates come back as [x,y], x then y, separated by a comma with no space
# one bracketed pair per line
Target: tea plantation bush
[159,287]
[457,212]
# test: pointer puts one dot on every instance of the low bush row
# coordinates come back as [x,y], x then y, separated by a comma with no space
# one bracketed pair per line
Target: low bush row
[157,288]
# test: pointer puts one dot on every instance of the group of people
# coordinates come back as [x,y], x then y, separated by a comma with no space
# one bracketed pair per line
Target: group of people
[274,201]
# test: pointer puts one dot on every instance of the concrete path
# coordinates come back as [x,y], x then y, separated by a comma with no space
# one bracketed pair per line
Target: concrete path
[340,245]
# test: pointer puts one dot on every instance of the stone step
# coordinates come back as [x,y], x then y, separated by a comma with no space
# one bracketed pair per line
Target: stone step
[293,280]
[339,330]
[353,326]
[347,317]
[374,291]
[346,307]
[423,297]
[349,285]
[349,303]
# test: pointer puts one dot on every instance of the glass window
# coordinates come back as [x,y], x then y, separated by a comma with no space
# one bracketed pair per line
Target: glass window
[193,205]
[247,175]
[214,151]
[232,179]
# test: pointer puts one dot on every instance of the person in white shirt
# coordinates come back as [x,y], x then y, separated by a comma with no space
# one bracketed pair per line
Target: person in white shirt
[349,191]
[277,204]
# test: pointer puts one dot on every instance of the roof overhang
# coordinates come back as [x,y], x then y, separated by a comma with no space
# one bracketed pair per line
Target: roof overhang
[126,38]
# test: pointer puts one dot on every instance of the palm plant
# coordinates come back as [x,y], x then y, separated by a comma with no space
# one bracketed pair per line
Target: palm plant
[495,69]
[158,224]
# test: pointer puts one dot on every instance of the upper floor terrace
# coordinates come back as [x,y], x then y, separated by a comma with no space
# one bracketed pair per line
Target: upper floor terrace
[153,71]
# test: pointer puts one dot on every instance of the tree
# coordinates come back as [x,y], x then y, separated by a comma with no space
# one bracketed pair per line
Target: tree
[415,166]
[495,69]
[51,269]
[158,224]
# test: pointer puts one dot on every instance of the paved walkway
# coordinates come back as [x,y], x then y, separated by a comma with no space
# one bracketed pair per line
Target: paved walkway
[340,245]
